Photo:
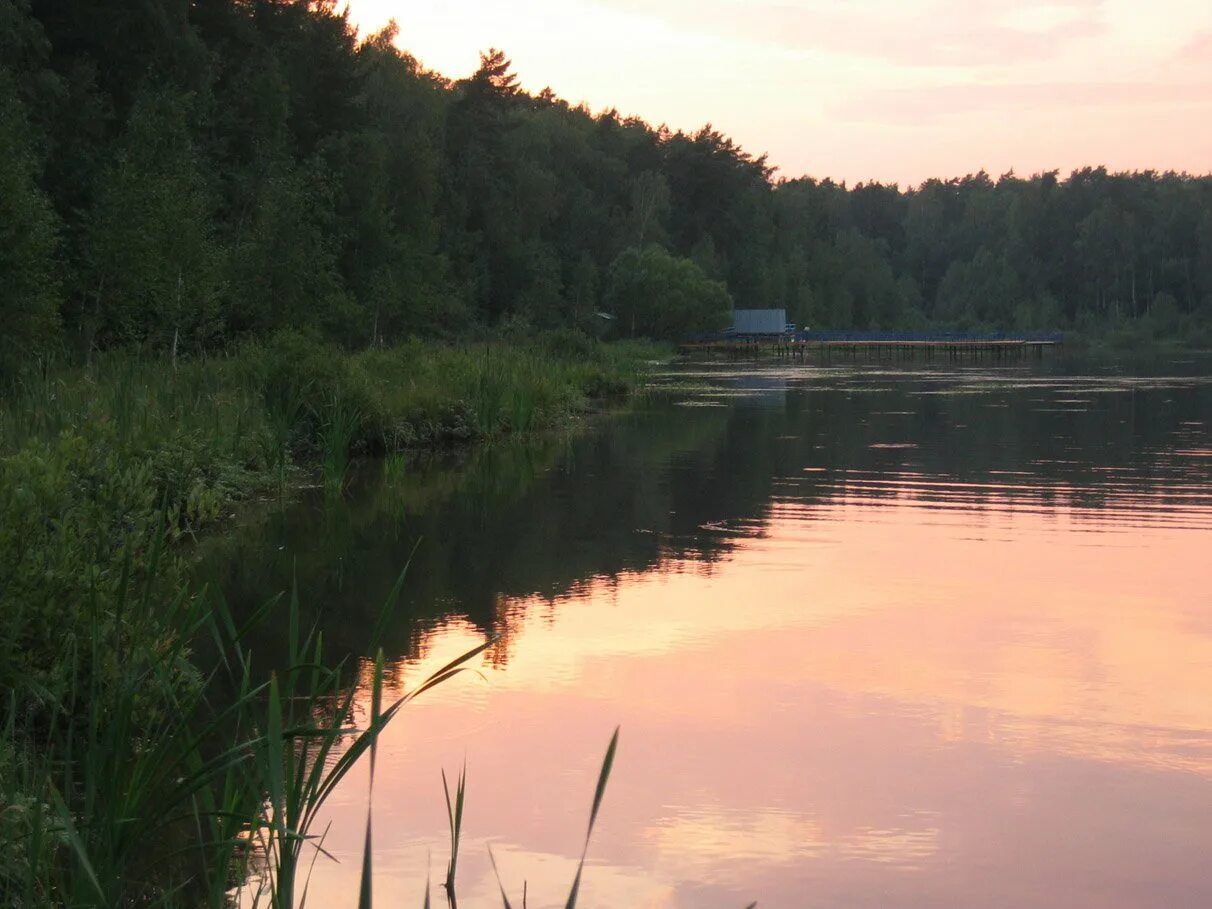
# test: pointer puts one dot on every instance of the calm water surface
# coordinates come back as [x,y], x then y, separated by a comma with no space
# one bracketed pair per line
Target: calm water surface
[876,637]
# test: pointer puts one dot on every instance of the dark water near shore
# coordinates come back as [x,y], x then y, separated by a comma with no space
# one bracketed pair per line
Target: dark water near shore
[875,636]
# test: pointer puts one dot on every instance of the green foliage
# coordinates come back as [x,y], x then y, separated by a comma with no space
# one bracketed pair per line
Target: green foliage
[28,242]
[338,426]
[153,267]
[285,264]
[96,467]
[454,817]
[982,291]
[95,463]
[154,788]
[112,759]
[655,294]
[227,170]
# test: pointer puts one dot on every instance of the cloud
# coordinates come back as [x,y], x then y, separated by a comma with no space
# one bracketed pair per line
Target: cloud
[932,103]
[1199,50]
[938,33]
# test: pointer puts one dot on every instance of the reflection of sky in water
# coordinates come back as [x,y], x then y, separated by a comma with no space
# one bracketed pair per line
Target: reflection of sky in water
[920,674]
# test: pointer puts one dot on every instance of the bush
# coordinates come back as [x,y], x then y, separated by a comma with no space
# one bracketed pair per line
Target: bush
[659,295]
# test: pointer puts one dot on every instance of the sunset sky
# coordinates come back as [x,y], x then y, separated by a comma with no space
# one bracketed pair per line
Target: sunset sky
[893,90]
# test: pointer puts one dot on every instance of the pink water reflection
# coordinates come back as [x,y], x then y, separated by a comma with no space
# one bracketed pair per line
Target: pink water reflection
[881,700]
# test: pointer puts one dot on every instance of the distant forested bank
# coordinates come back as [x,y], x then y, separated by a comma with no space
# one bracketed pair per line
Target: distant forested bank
[177,175]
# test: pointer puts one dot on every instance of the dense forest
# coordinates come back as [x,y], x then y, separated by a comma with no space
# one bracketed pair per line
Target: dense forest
[178,174]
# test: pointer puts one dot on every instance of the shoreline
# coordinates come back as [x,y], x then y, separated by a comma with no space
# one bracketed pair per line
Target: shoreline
[104,469]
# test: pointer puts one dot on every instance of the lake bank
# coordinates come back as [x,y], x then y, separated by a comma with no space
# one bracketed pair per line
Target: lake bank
[101,466]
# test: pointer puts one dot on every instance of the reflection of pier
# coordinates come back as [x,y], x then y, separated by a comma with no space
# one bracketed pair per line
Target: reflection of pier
[881,345]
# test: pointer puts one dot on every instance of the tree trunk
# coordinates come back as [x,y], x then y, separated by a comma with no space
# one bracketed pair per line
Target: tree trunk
[177,326]
[1135,312]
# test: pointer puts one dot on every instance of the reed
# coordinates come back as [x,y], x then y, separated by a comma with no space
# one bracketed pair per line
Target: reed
[598,794]
[114,801]
[211,795]
[395,467]
[454,816]
[136,764]
[339,427]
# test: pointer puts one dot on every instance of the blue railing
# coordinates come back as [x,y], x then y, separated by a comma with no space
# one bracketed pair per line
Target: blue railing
[938,337]
[887,337]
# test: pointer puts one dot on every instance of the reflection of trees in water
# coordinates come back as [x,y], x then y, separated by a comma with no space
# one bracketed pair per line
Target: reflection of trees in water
[668,483]
[512,520]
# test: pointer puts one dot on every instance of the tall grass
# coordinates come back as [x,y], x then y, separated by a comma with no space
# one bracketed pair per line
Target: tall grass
[600,791]
[284,404]
[215,796]
[88,454]
[264,404]
[217,782]
[133,770]
[454,816]
[339,424]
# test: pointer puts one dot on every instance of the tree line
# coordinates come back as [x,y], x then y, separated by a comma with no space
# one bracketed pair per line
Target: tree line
[178,175]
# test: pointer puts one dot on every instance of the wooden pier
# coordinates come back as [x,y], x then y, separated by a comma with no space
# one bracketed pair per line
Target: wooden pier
[942,348]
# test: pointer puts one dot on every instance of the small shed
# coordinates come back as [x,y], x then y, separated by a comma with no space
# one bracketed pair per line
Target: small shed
[759,322]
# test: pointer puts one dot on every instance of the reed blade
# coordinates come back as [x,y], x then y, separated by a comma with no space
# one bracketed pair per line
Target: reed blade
[599,792]
[497,874]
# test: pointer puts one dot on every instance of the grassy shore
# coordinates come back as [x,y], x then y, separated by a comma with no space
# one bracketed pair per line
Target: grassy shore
[128,772]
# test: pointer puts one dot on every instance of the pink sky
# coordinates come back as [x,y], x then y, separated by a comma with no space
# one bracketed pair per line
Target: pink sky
[892,90]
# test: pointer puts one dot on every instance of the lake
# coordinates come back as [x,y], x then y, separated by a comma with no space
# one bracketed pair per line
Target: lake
[876,635]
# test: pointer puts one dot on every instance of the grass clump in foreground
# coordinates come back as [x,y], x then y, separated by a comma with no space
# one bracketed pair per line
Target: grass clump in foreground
[206,797]
[124,777]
